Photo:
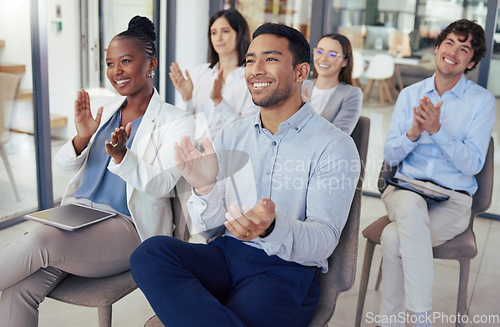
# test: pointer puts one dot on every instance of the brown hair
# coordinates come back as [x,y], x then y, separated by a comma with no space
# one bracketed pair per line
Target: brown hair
[345,74]
[237,23]
[466,28]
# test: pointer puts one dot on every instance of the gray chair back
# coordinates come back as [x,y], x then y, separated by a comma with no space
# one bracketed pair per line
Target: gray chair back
[342,263]
[481,200]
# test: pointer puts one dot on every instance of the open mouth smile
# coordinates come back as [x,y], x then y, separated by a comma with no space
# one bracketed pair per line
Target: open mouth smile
[260,85]
[122,81]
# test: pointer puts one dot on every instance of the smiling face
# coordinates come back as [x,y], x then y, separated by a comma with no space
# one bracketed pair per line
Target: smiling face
[269,71]
[325,65]
[453,57]
[128,66]
[223,37]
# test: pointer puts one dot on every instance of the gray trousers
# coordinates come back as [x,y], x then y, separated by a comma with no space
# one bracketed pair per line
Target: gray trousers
[31,266]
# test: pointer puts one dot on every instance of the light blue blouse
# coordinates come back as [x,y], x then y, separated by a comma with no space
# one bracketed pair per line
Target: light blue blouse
[99,184]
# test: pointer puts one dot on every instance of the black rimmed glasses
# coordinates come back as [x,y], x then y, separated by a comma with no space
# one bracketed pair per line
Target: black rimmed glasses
[331,54]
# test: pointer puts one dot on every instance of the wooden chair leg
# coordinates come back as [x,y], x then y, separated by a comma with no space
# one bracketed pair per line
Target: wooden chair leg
[388,92]
[368,90]
[462,290]
[381,92]
[104,314]
[363,284]
[6,163]
[379,276]
[392,87]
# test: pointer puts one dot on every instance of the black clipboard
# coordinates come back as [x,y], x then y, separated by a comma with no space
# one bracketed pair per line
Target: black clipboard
[421,190]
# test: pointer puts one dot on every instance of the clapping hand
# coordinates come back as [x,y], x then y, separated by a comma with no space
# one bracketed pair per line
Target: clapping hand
[117,146]
[200,169]
[247,224]
[425,118]
[216,91]
[181,84]
[428,115]
[86,125]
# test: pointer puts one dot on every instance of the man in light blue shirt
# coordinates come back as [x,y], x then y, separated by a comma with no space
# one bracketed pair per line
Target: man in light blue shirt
[439,136]
[295,170]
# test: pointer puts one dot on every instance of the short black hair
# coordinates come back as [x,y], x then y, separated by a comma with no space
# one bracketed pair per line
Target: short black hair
[297,43]
[142,30]
[240,26]
[464,28]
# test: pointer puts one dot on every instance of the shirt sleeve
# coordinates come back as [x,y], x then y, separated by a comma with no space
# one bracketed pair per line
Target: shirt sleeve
[350,110]
[468,154]
[207,212]
[398,145]
[329,196]
[67,160]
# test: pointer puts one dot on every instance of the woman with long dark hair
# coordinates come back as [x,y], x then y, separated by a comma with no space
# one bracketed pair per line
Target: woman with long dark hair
[217,90]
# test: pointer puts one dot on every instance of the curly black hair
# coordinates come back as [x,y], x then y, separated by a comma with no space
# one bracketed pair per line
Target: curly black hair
[143,30]
[466,28]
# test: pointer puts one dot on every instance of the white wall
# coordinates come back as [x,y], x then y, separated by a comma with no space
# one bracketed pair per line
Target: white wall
[397,5]
[191,35]
[63,47]
[15,30]
[64,61]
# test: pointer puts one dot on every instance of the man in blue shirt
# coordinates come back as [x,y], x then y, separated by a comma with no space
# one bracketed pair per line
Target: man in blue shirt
[439,135]
[295,169]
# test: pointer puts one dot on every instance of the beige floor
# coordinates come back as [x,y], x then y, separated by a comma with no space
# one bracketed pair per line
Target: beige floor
[133,310]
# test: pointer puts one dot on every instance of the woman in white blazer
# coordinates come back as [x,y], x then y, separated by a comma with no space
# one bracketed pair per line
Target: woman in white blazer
[330,90]
[216,92]
[122,156]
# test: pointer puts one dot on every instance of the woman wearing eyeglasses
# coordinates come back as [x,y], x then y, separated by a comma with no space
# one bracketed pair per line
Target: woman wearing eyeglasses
[330,90]
[217,90]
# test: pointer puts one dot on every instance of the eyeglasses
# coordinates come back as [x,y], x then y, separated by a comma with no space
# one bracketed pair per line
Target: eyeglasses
[331,54]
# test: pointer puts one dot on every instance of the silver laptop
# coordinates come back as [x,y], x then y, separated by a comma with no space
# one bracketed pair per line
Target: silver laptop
[70,217]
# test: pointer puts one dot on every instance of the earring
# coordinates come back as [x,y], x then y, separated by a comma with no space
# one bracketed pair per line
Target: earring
[151,74]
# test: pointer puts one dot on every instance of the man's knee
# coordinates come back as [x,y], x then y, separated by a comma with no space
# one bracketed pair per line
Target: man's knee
[389,240]
[145,251]
[151,252]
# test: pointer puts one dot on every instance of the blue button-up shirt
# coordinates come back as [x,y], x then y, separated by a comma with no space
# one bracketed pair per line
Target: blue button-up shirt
[99,184]
[309,168]
[452,156]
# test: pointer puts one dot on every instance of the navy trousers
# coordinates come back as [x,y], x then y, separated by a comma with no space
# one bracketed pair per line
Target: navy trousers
[223,283]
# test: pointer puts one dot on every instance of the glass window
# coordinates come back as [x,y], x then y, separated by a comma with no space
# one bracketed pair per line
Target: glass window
[493,80]
[67,72]
[407,30]
[295,13]
[18,189]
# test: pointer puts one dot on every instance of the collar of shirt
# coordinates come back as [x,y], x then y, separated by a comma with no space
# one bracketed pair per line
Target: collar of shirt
[458,90]
[297,121]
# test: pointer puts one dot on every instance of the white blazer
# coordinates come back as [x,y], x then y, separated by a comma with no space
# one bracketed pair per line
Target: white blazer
[148,167]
